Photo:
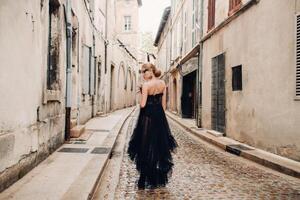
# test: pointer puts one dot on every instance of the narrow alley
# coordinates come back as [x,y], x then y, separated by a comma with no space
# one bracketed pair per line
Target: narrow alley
[83,81]
[202,171]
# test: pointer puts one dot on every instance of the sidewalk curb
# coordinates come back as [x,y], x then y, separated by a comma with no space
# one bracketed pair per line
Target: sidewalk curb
[115,132]
[261,157]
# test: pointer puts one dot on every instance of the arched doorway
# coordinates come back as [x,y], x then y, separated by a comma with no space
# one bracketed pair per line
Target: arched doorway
[128,88]
[99,91]
[121,86]
[112,87]
[174,95]
[134,87]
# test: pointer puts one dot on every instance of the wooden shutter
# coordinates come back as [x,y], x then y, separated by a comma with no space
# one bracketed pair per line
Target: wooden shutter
[211,14]
[86,70]
[234,5]
[298,56]
[92,74]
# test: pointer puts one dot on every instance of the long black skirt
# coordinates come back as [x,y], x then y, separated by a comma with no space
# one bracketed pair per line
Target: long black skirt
[150,146]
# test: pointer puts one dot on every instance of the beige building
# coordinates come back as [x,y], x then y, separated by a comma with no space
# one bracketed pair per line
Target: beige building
[33,71]
[251,45]
[248,77]
[177,42]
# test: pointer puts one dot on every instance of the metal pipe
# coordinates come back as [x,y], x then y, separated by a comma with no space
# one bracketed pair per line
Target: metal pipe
[199,70]
[94,60]
[68,70]
[105,54]
[78,64]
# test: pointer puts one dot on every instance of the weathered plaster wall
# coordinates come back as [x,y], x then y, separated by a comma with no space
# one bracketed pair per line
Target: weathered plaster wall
[264,114]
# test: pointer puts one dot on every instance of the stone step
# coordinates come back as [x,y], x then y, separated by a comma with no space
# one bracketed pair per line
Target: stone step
[73,123]
[215,133]
[101,114]
[77,131]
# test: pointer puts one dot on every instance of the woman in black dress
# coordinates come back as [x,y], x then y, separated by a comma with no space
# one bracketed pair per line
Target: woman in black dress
[151,142]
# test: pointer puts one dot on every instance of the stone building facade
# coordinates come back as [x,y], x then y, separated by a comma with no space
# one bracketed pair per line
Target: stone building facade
[251,46]
[247,73]
[177,42]
[33,72]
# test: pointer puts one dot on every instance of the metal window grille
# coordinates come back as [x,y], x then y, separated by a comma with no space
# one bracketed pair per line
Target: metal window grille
[298,55]
[237,82]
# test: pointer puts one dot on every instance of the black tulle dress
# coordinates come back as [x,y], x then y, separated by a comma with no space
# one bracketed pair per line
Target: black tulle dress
[151,144]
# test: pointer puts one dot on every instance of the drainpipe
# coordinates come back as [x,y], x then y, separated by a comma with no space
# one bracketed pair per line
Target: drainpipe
[68,70]
[199,70]
[94,62]
[78,85]
[105,54]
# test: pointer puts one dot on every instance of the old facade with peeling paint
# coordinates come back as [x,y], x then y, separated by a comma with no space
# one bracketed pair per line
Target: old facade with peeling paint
[248,84]
[33,74]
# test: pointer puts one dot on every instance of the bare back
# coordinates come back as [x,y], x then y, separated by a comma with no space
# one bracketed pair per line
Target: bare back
[156,86]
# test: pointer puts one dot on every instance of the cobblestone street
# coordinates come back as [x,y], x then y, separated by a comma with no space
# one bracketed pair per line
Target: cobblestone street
[202,171]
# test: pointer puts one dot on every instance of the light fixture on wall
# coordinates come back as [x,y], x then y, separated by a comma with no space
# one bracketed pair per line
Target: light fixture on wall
[179,68]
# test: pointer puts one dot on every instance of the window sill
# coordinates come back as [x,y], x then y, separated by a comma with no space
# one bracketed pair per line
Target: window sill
[52,95]
[211,28]
[235,9]
[129,32]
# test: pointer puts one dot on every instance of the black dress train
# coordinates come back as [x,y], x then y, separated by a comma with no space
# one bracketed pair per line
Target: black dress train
[151,144]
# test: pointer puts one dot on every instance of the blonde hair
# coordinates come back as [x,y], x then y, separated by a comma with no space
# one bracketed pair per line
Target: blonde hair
[150,66]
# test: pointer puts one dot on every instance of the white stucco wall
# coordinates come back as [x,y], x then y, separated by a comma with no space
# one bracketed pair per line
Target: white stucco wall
[24,45]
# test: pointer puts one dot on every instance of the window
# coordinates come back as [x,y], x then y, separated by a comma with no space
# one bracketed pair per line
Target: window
[88,71]
[234,5]
[185,33]
[237,78]
[174,40]
[211,14]
[131,89]
[53,46]
[127,26]
[179,41]
[298,57]
[193,24]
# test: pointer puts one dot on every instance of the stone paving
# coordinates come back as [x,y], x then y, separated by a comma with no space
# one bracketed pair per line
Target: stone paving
[202,171]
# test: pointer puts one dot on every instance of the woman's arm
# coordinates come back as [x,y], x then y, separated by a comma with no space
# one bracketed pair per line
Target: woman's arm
[144,96]
[164,98]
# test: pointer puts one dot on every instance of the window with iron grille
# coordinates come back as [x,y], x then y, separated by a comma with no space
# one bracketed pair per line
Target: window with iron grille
[127,25]
[131,89]
[53,46]
[234,5]
[298,56]
[237,80]
[211,14]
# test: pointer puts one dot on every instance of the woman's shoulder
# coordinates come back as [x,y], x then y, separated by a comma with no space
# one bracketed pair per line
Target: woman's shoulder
[161,82]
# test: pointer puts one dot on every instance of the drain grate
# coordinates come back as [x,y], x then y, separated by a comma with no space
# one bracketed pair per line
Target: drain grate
[101,150]
[74,150]
[237,148]
[80,142]
[240,146]
[116,153]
